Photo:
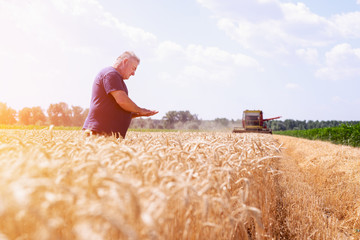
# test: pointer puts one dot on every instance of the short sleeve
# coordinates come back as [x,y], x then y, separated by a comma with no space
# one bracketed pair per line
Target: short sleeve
[112,82]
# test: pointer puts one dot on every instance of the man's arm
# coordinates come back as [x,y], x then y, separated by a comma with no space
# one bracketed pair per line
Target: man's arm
[128,105]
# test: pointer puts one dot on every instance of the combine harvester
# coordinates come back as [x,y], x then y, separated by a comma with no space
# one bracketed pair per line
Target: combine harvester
[253,122]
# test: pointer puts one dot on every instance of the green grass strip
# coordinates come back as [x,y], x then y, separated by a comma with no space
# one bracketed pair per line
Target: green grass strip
[344,134]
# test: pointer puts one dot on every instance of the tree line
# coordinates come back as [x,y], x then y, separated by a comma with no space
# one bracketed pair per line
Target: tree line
[61,114]
[58,114]
[289,124]
[186,120]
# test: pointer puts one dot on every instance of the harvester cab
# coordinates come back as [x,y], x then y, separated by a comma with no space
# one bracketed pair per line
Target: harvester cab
[253,121]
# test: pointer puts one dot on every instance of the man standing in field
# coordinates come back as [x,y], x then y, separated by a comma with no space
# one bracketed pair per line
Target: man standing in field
[111,110]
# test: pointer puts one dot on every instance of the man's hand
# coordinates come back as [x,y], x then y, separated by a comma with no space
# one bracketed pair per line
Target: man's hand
[145,113]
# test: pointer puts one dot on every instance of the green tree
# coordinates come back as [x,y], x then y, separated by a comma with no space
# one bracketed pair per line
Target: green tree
[186,116]
[38,115]
[59,114]
[173,117]
[78,115]
[32,116]
[170,119]
[222,121]
[310,124]
[25,116]
[289,124]
[7,114]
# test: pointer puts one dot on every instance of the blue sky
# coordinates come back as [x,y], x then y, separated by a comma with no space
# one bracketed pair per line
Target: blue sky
[215,58]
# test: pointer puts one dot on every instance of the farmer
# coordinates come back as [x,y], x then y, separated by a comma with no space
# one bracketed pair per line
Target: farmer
[111,110]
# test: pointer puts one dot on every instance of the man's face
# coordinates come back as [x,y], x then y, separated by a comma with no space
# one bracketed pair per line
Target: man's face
[130,68]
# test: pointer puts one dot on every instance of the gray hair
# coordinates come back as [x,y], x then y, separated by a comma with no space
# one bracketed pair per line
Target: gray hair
[128,55]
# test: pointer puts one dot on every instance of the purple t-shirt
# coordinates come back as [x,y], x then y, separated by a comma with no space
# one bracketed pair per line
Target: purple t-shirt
[105,115]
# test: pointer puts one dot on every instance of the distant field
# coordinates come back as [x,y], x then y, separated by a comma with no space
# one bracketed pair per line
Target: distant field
[344,134]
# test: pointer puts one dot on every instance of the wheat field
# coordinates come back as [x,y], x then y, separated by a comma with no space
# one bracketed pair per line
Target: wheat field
[179,185]
[58,184]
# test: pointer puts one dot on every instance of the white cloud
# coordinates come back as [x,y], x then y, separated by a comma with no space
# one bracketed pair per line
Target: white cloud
[200,55]
[263,38]
[193,64]
[94,12]
[358,2]
[67,25]
[309,55]
[53,41]
[252,10]
[196,72]
[292,86]
[169,49]
[338,99]
[283,25]
[348,100]
[300,13]
[348,25]
[283,28]
[75,7]
[213,55]
[133,33]
[342,62]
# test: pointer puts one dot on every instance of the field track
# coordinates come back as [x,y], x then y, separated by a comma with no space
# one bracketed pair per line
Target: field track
[320,185]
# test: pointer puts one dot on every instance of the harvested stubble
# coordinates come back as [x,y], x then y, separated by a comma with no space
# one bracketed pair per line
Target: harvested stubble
[320,184]
[64,185]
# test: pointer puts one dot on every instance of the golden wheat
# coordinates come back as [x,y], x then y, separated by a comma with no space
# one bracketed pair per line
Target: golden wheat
[65,185]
